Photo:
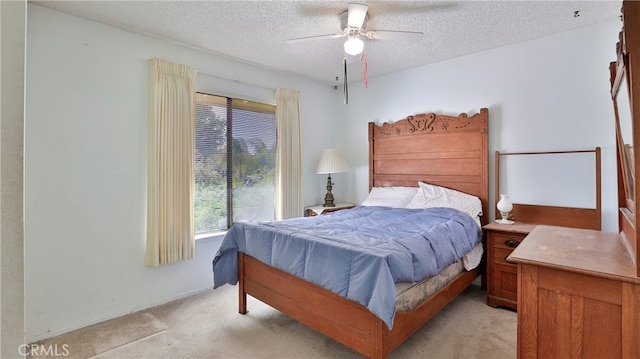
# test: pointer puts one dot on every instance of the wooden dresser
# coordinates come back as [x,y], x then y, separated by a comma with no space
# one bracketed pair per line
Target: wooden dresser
[578,295]
[579,289]
[502,281]
[502,239]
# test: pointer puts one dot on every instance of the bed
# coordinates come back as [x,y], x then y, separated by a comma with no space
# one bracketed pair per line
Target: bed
[446,151]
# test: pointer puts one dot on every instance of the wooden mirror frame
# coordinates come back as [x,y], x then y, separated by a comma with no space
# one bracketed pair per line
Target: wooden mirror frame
[627,66]
[621,105]
[574,217]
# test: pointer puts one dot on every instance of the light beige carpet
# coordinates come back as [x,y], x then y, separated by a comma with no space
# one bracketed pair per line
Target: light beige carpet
[208,325]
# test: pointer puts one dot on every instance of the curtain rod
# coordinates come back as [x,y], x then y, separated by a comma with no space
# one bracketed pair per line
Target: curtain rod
[268,87]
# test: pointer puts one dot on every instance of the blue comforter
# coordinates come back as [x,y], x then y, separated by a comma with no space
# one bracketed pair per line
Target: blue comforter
[357,253]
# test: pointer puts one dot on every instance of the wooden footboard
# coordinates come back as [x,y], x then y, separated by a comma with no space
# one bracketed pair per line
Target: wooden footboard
[343,320]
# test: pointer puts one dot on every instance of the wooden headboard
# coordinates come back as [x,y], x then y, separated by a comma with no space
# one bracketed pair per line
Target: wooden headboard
[447,151]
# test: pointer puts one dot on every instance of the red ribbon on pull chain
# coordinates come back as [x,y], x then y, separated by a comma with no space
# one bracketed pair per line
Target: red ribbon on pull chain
[366,80]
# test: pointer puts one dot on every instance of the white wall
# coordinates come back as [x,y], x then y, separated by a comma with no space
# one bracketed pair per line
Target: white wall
[546,94]
[85,169]
[12,48]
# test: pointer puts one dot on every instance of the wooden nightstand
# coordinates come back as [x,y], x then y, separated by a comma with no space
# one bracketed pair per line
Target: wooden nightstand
[319,209]
[502,278]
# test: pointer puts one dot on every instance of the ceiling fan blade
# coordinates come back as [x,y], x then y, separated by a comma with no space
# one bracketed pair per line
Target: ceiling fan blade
[307,38]
[394,35]
[357,13]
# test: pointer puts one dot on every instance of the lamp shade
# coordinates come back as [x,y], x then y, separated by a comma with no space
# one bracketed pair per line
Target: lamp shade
[331,161]
[504,205]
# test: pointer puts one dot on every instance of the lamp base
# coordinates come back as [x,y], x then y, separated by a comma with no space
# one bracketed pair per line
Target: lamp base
[328,198]
[504,221]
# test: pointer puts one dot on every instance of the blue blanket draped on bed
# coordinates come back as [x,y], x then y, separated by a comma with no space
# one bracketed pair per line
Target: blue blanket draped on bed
[357,253]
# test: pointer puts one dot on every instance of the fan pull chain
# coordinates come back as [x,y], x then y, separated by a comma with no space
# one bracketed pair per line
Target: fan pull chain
[345,86]
[366,67]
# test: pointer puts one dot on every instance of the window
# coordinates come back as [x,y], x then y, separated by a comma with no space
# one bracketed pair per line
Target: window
[235,158]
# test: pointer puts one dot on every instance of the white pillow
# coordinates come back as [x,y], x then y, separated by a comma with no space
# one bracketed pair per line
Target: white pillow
[435,196]
[397,197]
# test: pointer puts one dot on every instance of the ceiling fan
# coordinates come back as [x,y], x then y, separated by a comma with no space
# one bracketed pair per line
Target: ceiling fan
[353,23]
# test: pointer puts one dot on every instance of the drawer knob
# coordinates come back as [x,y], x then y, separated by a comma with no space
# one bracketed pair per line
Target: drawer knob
[512,243]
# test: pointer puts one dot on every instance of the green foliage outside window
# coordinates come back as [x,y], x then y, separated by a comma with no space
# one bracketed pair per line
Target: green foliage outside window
[252,171]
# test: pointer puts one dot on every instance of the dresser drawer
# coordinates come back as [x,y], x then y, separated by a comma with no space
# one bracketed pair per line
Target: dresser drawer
[508,241]
[505,283]
[502,276]
[500,256]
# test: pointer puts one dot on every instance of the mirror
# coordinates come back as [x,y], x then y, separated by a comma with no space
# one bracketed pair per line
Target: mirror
[624,129]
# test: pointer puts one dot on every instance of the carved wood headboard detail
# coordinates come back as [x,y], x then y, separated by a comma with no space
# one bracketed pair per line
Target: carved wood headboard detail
[448,151]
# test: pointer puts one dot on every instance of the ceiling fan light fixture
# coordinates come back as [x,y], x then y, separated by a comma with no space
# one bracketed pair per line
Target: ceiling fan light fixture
[353,46]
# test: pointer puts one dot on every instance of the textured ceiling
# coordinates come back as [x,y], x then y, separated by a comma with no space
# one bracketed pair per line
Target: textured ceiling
[256,31]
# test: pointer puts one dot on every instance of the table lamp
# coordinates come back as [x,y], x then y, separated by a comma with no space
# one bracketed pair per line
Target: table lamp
[504,206]
[331,162]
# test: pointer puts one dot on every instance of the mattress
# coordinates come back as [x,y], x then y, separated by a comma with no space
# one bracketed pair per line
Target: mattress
[410,295]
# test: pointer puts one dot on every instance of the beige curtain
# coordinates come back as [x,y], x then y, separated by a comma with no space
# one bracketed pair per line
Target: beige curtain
[288,191]
[170,227]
